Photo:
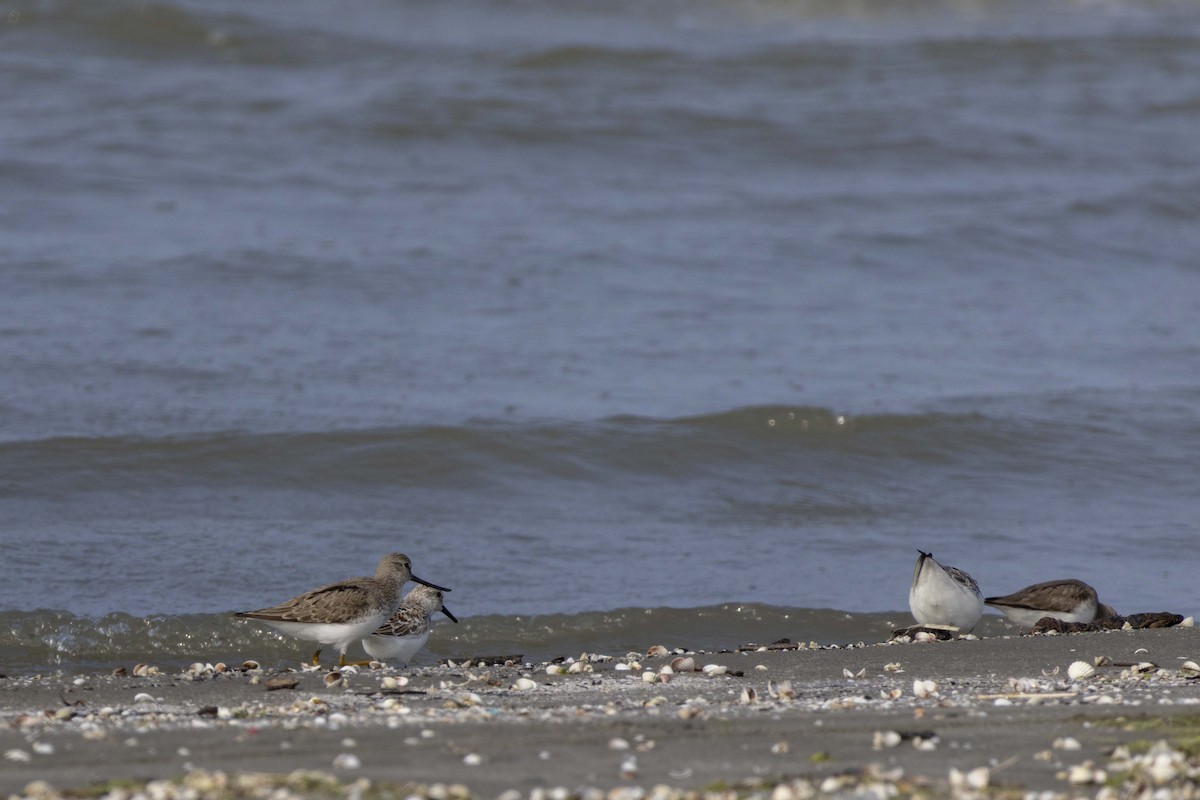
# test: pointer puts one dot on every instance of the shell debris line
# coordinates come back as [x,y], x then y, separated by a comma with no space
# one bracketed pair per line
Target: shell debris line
[660,687]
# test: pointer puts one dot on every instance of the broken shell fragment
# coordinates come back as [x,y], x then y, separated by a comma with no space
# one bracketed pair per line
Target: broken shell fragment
[923,689]
[334,679]
[781,691]
[715,669]
[657,651]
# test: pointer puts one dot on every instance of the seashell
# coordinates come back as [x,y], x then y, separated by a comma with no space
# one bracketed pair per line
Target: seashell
[220,667]
[749,695]
[664,677]
[655,701]
[657,651]
[924,636]
[891,694]
[1066,743]
[893,667]
[665,669]
[197,669]
[145,671]
[392,682]
[43,748]
[689,712]
[1050,673]
[347,761]
[649,677]
[251,664]
[973,780]
[629,768]
[683,664]
[760,667]
[1143,668]
[578,667]
[924,689]
[781,691]
[622,667]
[883,739]
[556,669]
[846,673]
[472,759]
[779,748]
[524,685]
[617,743]
[1188,622]
[715,669]
[17,755]
[1080,670]
[334,679]
[1085,773]
[1189,669]
[142,697]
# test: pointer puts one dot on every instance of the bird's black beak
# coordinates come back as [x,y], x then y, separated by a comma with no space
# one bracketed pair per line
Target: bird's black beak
[446,611]
[415,579]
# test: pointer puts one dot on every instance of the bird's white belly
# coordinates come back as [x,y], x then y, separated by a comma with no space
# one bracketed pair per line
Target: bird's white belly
[341,634]
[395,648]
[1028,617]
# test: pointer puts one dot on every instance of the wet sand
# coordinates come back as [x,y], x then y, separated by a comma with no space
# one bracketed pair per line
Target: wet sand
[999,703]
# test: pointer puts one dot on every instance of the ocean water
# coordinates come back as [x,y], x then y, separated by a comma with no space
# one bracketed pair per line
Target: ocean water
[683,322]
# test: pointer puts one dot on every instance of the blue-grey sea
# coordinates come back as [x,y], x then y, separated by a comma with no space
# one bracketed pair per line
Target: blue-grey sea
[682,322]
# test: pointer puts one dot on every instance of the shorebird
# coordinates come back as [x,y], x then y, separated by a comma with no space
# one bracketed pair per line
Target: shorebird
[1069,600]
[944,595]
[407,630]
[343,612]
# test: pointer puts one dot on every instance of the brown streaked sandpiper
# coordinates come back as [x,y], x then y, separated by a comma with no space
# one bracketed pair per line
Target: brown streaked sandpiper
[1069,600]
[343,612]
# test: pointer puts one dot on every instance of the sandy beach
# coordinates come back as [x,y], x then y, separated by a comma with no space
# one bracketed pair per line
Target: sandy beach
[1000,711]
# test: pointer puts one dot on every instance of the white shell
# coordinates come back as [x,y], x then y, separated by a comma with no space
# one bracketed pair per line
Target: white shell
[1080,670]
[1189,669]
[524,685]
[684,664]
[346,761]
[884,739]
[924,689]
[715,669]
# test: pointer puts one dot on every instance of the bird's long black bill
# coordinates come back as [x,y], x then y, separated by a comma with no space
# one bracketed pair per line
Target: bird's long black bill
[415,579]
[446,611]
